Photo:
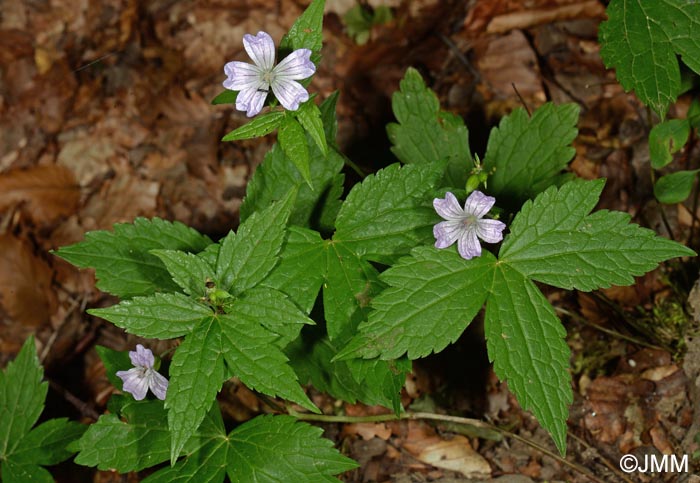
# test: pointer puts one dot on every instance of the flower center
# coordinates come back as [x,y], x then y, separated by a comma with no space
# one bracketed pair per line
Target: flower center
[268,77]
[469,220]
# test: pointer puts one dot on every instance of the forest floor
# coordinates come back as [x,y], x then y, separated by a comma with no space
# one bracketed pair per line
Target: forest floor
[105,116]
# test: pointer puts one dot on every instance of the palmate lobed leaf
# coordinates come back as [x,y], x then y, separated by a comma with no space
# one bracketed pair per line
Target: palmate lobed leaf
[219,346]
[554,240]
[23,449]
[122,260]
[527,154]
[525,341]
[434,294]
[264,449]
[390,212]
[641,39]
[424,134]
[270,449]
[248,256]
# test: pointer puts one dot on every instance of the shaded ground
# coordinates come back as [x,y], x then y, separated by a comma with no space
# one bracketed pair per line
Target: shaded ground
[105,116]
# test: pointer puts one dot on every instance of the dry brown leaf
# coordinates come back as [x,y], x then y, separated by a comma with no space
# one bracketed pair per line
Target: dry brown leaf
[26,295]
[537,16]
[45,193]
[455,455]
[368,431]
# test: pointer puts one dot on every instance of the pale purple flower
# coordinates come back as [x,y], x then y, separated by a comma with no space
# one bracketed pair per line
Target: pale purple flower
[465,225]
[253,81]
[140,378]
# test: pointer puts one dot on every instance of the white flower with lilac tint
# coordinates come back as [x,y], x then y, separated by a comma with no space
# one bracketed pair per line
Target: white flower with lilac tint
[465,226]
[142,376]
[253,81]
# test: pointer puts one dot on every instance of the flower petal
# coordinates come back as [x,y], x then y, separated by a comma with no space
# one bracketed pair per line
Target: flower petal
[251,101]
[295,66]
[449,207]
[134,382]
[141,356]
[242,76]
[491,231]
[478,204]
[447,232]
[158,384]
[468,245]
[260,48]
[290,93]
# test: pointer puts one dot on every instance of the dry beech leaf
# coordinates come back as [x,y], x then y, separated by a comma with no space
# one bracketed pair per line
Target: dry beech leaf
[455,454]
[26,296]
[44,192]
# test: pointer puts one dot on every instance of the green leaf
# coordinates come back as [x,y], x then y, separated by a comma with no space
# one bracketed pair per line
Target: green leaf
[260,126]
[279,448]
[666,138]
[309,115]
[330,123]
[247,257]
[424,134]
[693,115]
[188,270]
[122,260]
[525,341]
[433,296]
[225,97]
[253,356]
[17,473]
[208,465]
[301,269]
[22,396]
[114,361]
[160,316]
[315,205]
[140,441]
[307,31]
[675,187]
[196,375]
[641,40]
[371,381]
[555,241]
[46,444]
[292,139]
[390,212]
[527,154]
[350,284]
[274,311]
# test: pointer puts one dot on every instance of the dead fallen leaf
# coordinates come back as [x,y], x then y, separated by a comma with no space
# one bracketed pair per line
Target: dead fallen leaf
[368,431]
[455,454]
[26,295]
[537,16]
[44,193]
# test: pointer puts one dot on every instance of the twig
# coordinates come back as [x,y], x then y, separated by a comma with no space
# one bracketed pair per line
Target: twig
[603,460]
[443,418]
[522,101]
[611,332]
[85,409]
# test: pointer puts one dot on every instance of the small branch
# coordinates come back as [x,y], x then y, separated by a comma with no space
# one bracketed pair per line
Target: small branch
[445,419]
[522,101]
[611,332]
[85,409]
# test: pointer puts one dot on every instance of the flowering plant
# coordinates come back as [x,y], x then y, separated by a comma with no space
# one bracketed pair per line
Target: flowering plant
[343,292]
